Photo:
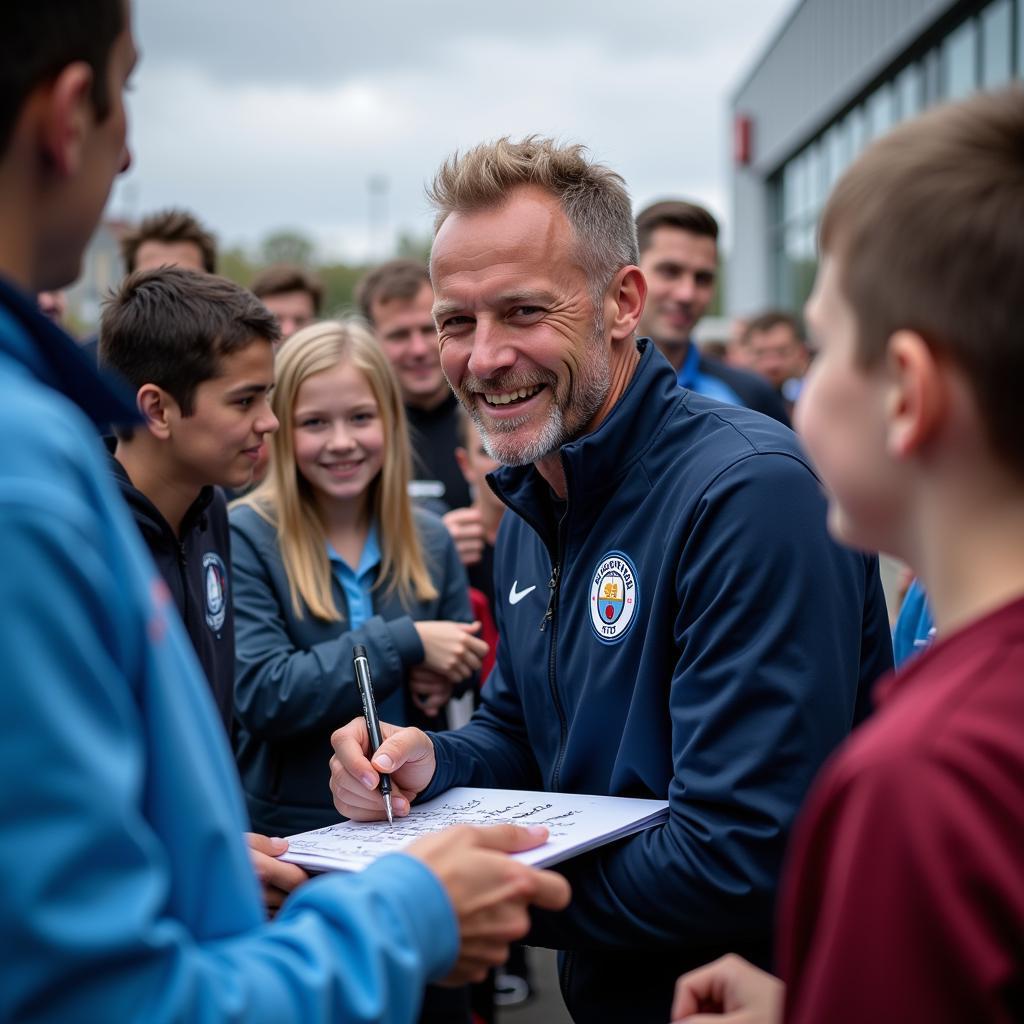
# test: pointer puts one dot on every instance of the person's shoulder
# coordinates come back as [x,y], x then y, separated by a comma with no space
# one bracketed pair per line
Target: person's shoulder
[46,437]
[755,392]
[711,439]
[253,522]
[952,713]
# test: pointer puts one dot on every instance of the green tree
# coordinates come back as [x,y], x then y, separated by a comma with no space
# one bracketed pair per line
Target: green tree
[236,265]
[339,287]
[287,246]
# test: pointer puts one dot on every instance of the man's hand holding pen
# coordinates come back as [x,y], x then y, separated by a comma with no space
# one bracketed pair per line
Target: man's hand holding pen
[406,754]
[490,892]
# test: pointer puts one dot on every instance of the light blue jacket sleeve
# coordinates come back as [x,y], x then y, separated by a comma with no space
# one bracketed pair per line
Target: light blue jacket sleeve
[128,893]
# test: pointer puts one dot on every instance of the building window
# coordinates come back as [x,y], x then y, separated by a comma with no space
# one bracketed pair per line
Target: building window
[836,145]
[908,91]
[996,44]
[881,113]
[960,62]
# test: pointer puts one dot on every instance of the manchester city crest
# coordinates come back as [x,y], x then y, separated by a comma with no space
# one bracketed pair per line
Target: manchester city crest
[613,597]
[215,580]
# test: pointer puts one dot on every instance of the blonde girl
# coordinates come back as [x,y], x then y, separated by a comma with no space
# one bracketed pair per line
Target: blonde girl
[329,552]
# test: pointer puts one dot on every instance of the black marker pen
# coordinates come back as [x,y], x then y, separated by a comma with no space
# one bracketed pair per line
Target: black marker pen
[362,666]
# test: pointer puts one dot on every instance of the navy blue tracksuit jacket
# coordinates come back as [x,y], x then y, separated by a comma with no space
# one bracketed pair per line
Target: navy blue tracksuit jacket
[682,627]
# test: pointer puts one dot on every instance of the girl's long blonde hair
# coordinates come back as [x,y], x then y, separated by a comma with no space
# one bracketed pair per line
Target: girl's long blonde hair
[285,499]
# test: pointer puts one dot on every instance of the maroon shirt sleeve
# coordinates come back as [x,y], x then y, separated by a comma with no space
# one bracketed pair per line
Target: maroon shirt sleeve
[895,903]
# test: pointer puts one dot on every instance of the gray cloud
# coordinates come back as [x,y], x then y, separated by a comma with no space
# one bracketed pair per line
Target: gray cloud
[259,115]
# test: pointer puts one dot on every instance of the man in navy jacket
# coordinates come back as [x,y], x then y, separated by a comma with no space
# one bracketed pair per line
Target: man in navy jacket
[675,622]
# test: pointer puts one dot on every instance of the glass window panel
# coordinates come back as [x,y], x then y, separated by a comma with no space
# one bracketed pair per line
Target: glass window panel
[792,187]
[788,191]
[908,91]
[838,152]
[960,61]
[996,44]
[801,184]
[814,172]
[790,262]
[778,200]
[794,243]
[932,77]
[809,243]
[802,265]
[881,114]
[782,273]
[860,132]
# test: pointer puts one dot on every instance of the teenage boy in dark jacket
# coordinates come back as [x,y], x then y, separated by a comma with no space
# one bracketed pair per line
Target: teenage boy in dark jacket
[197,350]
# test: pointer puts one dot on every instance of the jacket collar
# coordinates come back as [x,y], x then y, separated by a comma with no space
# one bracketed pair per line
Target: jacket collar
[147,516]
[596,463]
[58,361]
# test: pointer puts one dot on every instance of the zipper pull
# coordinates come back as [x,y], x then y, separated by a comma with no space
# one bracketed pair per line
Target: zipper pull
[549,614]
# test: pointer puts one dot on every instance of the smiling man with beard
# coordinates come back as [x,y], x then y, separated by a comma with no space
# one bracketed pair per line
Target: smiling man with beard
[674,621]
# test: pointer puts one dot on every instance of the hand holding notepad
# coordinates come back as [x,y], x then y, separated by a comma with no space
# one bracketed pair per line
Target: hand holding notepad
[575,823]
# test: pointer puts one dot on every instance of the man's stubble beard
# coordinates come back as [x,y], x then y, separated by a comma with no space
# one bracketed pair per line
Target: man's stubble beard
[587,393]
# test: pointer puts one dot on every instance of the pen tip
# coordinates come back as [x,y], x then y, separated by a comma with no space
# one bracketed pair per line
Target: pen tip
[387,808]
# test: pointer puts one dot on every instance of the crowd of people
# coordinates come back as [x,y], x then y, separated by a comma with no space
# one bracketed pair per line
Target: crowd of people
[583,554]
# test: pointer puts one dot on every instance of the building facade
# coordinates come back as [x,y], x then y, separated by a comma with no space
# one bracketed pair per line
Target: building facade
[838,74]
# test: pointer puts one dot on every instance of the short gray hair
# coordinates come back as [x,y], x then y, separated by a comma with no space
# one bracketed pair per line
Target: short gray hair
[592,196]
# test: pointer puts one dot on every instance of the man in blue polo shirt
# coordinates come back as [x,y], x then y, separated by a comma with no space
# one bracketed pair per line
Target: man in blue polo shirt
[679,258]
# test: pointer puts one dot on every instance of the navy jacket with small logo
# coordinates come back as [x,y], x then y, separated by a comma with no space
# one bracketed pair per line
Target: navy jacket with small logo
[681,628]
[196,569]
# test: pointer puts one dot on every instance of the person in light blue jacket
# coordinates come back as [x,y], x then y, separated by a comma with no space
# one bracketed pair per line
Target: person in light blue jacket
[130,894]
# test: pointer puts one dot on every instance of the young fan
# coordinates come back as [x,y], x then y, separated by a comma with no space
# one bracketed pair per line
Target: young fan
[197,351]
[329,553]
[904,897]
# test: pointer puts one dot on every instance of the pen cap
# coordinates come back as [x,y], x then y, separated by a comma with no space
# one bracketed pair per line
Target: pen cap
[359,651]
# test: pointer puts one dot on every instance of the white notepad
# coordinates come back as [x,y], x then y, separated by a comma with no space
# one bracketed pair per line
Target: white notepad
[575,823]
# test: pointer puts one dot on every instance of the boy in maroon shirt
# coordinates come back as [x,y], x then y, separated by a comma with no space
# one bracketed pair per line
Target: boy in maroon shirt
[904,895]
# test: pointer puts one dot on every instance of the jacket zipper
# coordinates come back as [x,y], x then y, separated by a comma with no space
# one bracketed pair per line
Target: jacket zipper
[550,620]
[183,573]
[549,612]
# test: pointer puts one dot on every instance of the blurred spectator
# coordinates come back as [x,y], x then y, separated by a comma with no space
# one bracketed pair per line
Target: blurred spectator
[54,305]
[776,347]
[293,294]
[715,348]
[914,631]
[170,238]
[397,299]
[735,354]
[679,258]
[475,464]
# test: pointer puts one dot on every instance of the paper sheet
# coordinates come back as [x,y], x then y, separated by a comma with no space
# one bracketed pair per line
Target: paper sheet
[576,824]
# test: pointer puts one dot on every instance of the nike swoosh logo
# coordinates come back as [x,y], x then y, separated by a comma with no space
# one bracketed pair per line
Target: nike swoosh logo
[515,596]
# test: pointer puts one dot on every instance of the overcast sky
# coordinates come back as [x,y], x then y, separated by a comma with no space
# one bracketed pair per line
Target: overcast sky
[260,115]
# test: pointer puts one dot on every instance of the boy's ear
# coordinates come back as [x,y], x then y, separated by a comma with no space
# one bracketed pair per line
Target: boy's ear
[156,406]
[67,116]
[918,397]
